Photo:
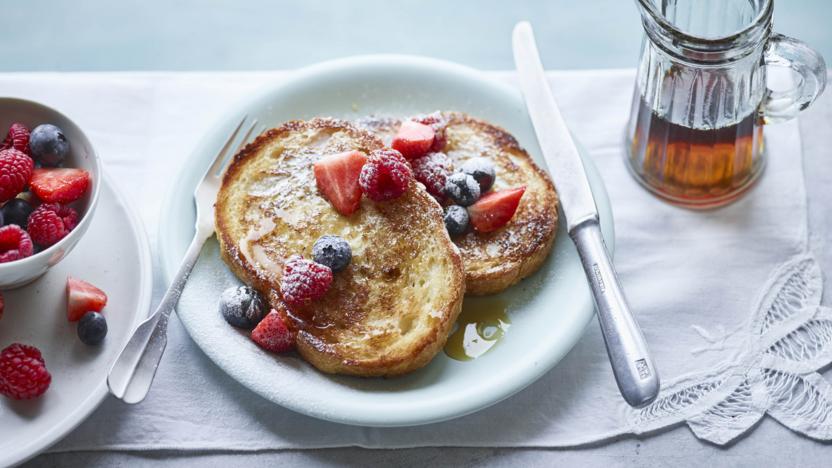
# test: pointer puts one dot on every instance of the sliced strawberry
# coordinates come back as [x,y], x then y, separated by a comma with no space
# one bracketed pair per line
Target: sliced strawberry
[337,178]
[413,140]
[59,185]
[82,297]
[273,335]
[495,210]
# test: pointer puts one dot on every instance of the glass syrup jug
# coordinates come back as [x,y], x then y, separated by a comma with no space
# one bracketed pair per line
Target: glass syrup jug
[695,135]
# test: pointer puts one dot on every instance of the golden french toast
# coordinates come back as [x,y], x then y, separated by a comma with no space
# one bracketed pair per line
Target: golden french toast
[494,260]
[391,309]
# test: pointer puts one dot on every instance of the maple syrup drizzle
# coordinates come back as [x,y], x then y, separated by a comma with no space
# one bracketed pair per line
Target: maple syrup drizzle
[481,325]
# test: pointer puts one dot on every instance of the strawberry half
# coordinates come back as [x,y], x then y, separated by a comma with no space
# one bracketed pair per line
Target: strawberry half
[413,140]
[82,297]
[59,185]
[337,179]
[495,209]
[273,335]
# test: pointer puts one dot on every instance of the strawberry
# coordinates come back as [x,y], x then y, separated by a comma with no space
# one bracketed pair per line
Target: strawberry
[273,335]
[59,185]
[82,297]
[495,210]
[413,140]
[337,179]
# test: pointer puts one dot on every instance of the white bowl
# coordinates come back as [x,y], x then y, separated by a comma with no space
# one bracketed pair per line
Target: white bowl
[81,155]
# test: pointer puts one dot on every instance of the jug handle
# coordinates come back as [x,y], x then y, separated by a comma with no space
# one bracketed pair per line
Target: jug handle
[810,80]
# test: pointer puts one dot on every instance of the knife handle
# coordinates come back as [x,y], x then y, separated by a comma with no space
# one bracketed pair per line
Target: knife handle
[632,365]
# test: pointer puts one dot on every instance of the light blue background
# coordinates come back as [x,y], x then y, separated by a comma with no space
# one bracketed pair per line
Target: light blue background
[260,34]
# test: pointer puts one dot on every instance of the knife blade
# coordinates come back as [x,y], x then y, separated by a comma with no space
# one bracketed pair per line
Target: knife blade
[631,363]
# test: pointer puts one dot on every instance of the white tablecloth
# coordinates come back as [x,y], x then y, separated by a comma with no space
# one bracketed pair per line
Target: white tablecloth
[145,124]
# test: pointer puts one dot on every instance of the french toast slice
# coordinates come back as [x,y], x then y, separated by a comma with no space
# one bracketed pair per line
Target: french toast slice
[496,260]
[391,310]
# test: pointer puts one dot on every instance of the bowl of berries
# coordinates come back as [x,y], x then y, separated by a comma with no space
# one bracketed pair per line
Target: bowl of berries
[49,176]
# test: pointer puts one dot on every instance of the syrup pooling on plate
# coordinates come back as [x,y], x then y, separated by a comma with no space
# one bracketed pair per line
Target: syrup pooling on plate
[481,325]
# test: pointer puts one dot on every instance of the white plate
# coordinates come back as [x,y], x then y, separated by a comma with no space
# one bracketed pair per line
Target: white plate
[548,311]
[114,255]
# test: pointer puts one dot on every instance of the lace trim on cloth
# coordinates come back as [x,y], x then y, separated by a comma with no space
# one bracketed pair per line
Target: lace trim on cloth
[787,339]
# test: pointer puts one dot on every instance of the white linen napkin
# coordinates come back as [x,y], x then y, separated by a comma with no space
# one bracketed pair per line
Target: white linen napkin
[693,278]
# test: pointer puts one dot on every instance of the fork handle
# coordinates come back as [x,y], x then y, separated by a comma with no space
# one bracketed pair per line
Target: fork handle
[133,371]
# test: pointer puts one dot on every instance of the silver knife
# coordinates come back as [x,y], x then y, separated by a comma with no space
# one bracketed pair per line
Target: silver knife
[631,363]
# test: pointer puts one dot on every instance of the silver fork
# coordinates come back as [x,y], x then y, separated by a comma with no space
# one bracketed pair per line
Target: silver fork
[132,373]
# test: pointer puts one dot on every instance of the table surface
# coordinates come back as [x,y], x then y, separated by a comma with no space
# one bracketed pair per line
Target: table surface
[44,35]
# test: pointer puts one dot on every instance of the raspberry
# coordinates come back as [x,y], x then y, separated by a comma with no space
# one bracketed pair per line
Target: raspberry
[17,138]
[15,172]
[438,123]
[433,170]
[23,373]
[15,243]
[50,223]
[304,281]
[385,176]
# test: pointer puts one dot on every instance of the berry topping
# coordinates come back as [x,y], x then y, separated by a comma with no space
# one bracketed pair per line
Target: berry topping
[273,335]
[495,209]
[50,223]
[304,281]
[48,145]
[413,139]
[15,243]
[456,220]
[92,329]
[242,307]
[433,170]
[482,170]
[23,373]
[462,189]
[332,251]
[59,185]
[17,211]
[17,138]
[337,179]
[82,297]
[385,176]
[15,172]
[437,122]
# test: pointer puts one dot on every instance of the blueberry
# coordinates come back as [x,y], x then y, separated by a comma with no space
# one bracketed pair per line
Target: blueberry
[242,307]
[332,251]
[462,189]
[92,328]
[48,145]
[16,211]
[482,170]
[456,220]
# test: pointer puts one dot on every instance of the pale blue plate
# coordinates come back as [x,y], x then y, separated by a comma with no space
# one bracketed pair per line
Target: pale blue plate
[549,311]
